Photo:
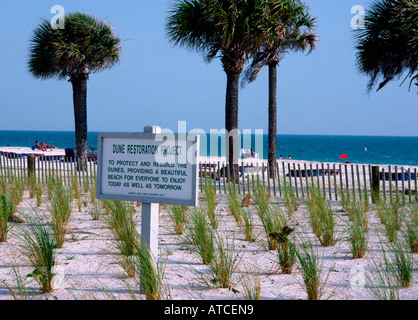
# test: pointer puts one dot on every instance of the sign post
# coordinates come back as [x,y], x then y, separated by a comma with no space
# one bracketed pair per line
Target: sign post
[150,167]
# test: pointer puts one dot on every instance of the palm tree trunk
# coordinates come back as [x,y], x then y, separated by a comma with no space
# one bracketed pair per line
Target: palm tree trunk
[272,116]
[231,123]
[80,119]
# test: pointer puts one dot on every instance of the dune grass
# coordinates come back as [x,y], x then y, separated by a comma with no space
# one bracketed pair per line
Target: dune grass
[60,209]
[401,261]
[4,218]
[120,221]
[224,263]
[178,215]
[38,245]
[321,217]
[248,223]
[209,189]
[150,273]
[358,239]
[411,227]
[289,198]
[273,221]
[251,286]
[201,236]
[261,199]
[234,204]
[390,215]
[309,265]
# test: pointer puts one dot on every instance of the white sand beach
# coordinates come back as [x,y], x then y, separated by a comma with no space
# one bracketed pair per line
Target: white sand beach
[90,271]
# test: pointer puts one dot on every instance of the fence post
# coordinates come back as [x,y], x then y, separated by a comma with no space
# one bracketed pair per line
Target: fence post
[375,187]
[31,165]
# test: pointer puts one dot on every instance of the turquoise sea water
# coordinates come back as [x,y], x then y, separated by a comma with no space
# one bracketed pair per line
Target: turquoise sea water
[359,149]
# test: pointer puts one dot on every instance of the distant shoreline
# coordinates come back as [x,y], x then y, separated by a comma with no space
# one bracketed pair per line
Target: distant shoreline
[381,150]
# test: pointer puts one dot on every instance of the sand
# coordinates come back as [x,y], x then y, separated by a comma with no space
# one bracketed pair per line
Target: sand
[90,271]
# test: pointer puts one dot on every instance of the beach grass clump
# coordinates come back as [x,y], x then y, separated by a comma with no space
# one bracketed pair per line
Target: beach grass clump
[400,260]
[381,282]
[321,217]
[290,201]
[201,236]
[251,286]
[273,221]
[234,204]
[39,190]
[178,215]
[310,267]
[150,272]
[209,189]
[224,263]
[31,185]
[261,199]
[358,238]
[286,249]
[38,245]
[248,223]
[51,182]
[366,202]
[92,189]
[357,213]
[390,215]
[411,227]
[4,218]
[60,209]
[120,221]
[345,197]
[96,210]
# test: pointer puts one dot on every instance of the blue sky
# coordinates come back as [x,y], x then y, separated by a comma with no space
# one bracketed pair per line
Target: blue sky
[156,83]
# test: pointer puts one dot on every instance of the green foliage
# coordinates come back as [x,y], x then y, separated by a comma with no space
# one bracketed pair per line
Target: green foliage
[234,204]
[38,246]
[85,45]
[4,218]
[310,268]
[224,263]
[248,222]
[209,189]
[201,236]
[179,217]
[358,238]
[289,198]
[60,209]
[385,46]
[261,199]
[121,223]
[321,217]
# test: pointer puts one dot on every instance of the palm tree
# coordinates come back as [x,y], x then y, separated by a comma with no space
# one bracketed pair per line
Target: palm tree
[388,44]
[85,45]
[286,25]
[224,28]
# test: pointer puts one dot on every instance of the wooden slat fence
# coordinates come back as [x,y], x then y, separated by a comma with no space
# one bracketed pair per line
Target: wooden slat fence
[395,181]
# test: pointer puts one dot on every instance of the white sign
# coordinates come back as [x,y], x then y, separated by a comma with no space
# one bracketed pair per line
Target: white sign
[150,168]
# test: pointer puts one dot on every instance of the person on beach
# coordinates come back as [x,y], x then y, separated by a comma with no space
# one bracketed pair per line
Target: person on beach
[289,157]
[38,145]
[281,157]
[43,145]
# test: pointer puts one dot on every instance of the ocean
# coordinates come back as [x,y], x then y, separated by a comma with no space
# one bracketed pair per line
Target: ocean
[359,149]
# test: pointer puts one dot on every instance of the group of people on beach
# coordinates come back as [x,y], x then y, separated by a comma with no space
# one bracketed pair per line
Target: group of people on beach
[43,145]
[288,158]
